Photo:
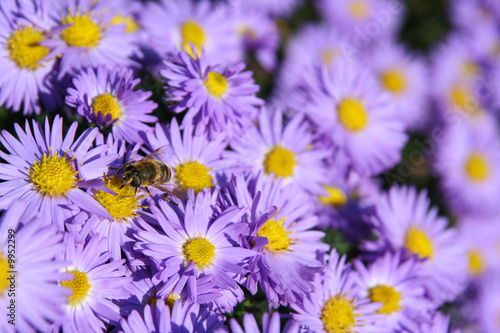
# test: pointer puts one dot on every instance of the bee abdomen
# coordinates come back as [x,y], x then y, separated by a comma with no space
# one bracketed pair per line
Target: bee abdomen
[165,172]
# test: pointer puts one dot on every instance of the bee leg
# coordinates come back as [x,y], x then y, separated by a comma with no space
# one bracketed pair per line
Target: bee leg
[122,167]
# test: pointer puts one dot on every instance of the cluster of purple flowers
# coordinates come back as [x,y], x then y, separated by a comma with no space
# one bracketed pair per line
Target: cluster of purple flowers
[258,182]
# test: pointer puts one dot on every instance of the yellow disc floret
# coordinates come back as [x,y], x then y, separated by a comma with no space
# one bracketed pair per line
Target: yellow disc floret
[106,104]
[216,84]
[394,81]
[359,9]
[417,242]
[277,235]
[388,296]
[281,161]
[199,250]
[477,167]
[192,33]
[82,32]
[4,268]
[193,175]
[336,197]
[130,24]
[338,315]
[476,263]
[24,48]
[52,175]
[352,114]
[79,285]
[121,206]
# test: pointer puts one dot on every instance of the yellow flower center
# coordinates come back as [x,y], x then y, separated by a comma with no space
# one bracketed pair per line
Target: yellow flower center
[4,268]
[83,31]
[470,68]
[359,9]
[352,114]
[106,104]
[277,235]
[281,161]
[417,242]
[477,167]
[79,285]
[53,176]
[464,101]
[329,54]
[199,250]
[336,197]
[24,47]
[216,84]
[388,296]
[476,263]
[130,23]
[338,315]
[192,33]
[193,175]
[394,81]
[121,206]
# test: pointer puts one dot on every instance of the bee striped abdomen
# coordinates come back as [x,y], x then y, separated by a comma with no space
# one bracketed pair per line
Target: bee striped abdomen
[165,173]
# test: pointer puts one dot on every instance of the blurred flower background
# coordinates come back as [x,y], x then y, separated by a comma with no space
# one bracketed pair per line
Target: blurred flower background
[244,166]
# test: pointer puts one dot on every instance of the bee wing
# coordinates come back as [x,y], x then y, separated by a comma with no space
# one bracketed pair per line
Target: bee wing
[173,191]
[164,153]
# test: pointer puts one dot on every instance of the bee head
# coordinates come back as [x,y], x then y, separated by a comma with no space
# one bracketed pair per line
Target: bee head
[131,177]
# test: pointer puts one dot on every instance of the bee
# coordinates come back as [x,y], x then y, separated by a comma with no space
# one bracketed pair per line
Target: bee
[149,171]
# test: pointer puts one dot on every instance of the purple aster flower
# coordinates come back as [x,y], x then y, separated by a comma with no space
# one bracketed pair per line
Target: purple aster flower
[26,63]
[463,78]
[282,148]
[366,21]
[289,249]
[48,171]
[469,14]
[468,161]
[269,325]
[107,98]
[405,222]
[334,307]
[87,37]
[257,31]
[183,318]
[180,25]
[481,239]
[312,44]
[221,98]
[404,76]
[396,284]
[195,160]
[487,306]
[197,243]
[95,284]
[364,123]
[28,254]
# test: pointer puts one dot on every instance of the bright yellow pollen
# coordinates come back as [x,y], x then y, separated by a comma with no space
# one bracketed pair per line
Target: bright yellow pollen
[338,315]
[417,242]
[171,299]
[121,206]
[4,268]
[199,250]
[336,197]
[79,285]
[52,176]
[24,48]
[192,33]
[476,263]
[216,84]
[193,175]
[281,161]
[352,114]
[130,24]
[83,31]
[277,235]
[477,167]
[106,104]
[358,9]
[388,296]
[394,81]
